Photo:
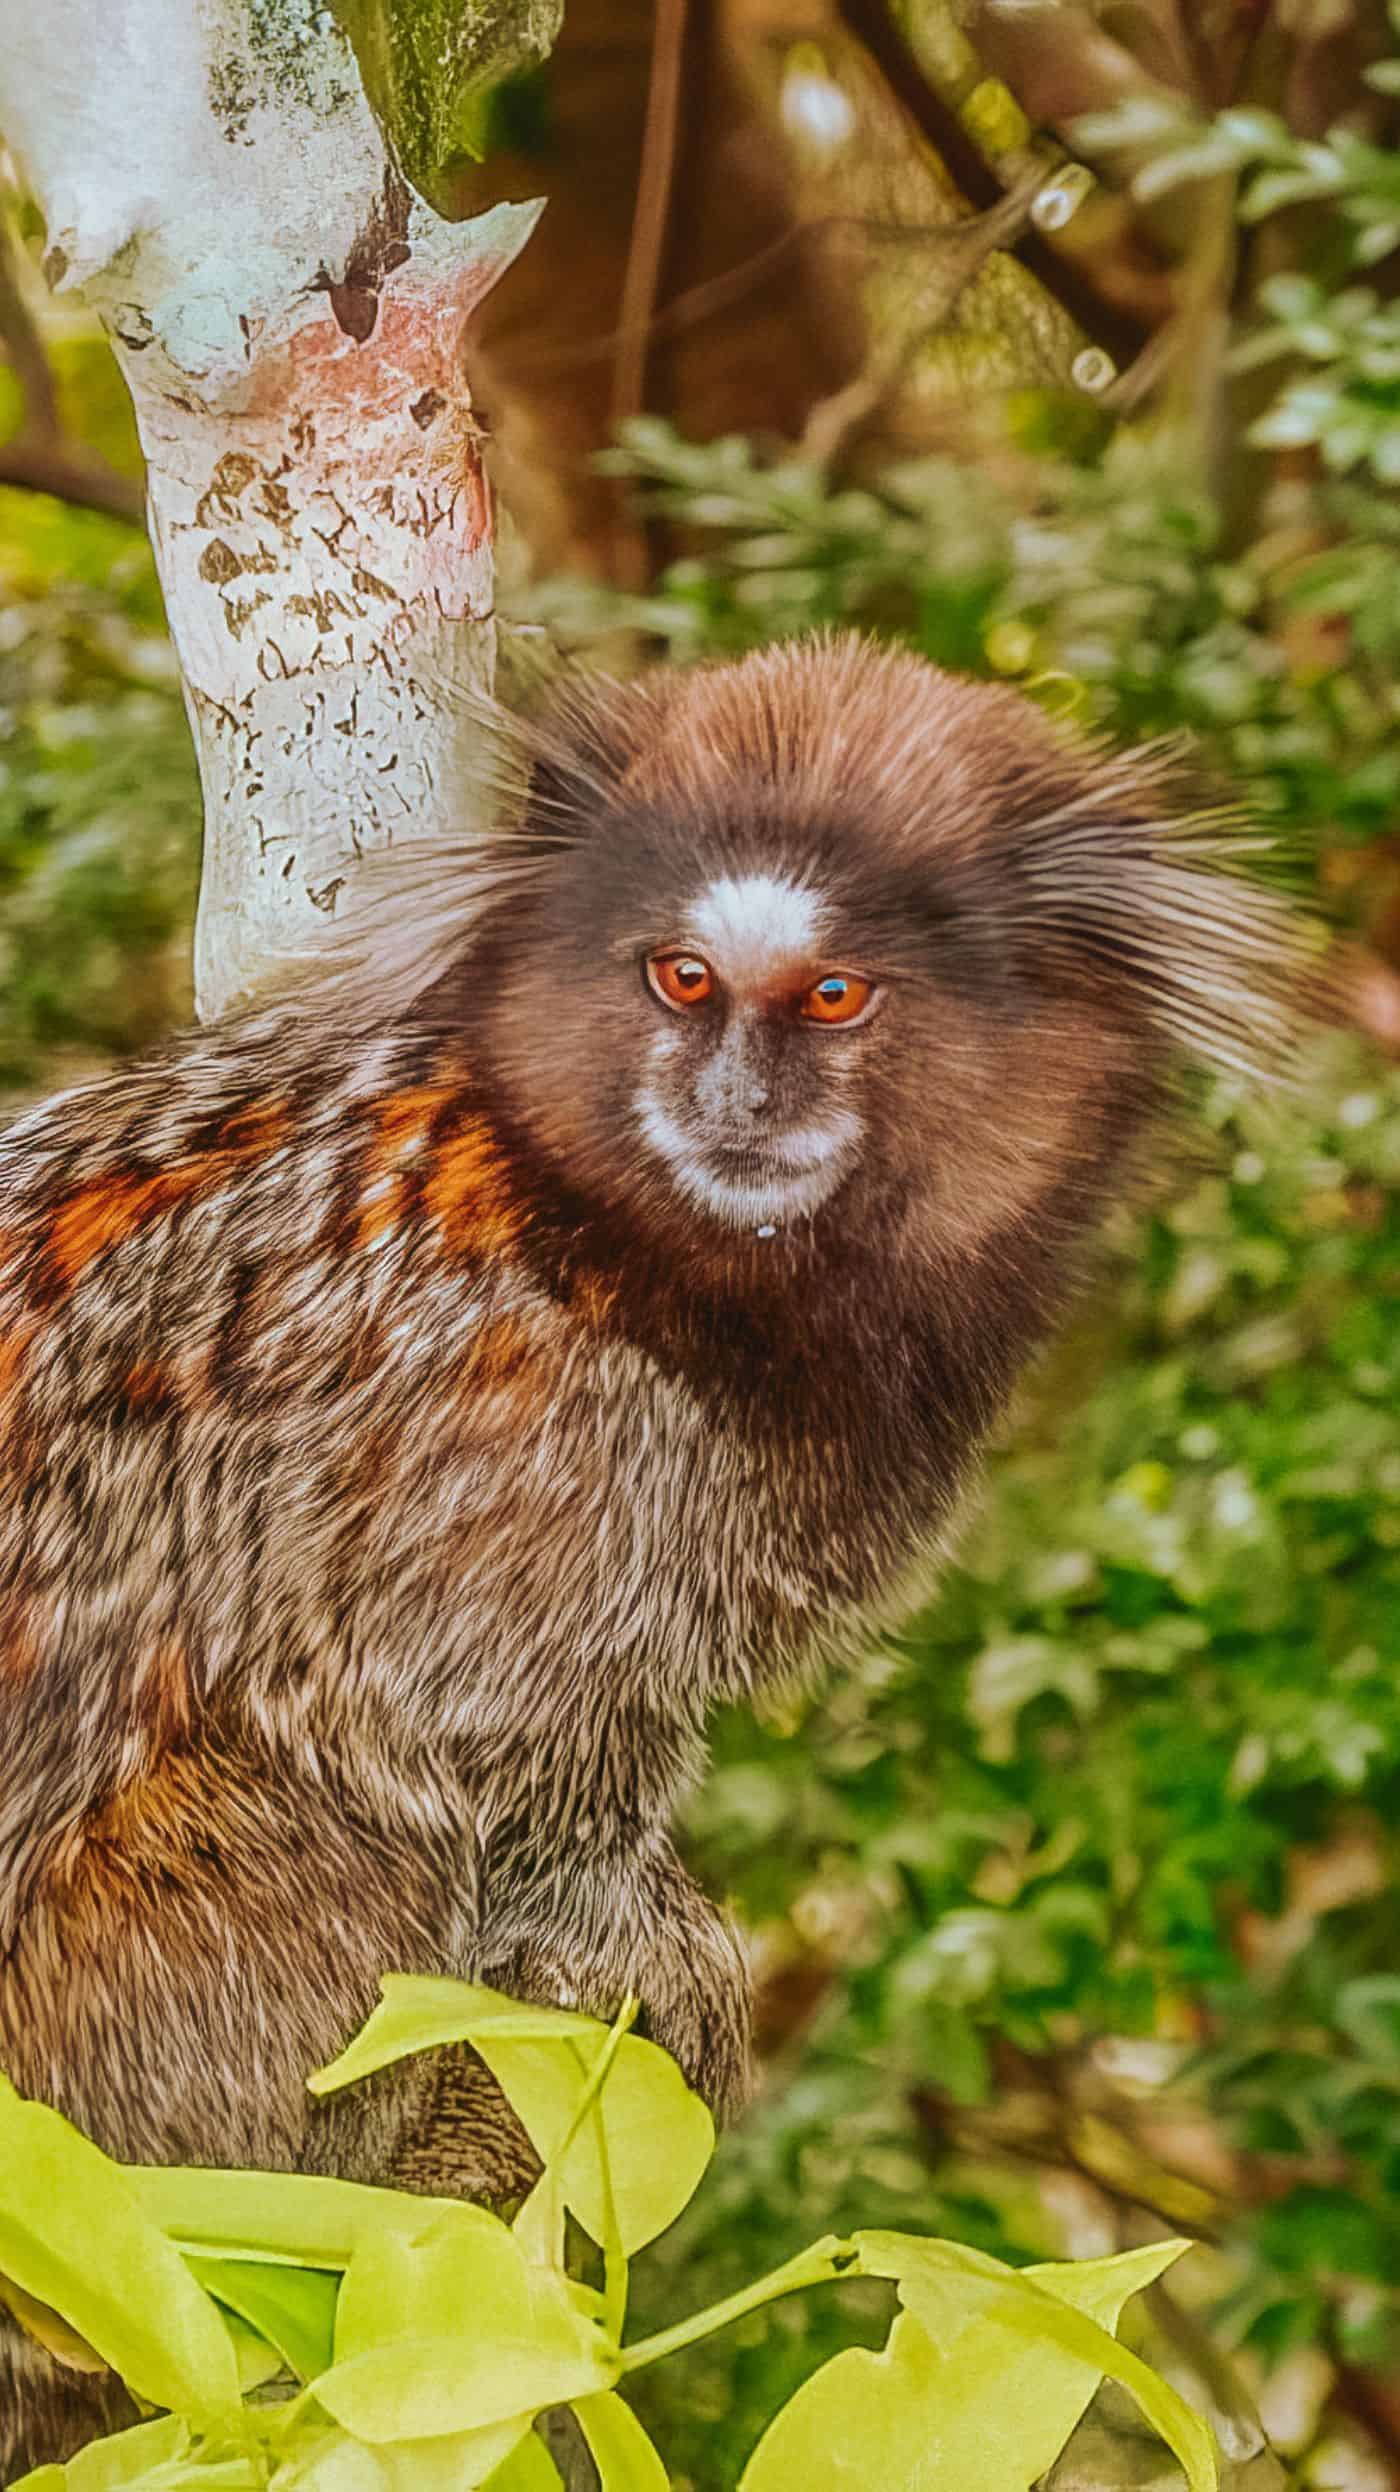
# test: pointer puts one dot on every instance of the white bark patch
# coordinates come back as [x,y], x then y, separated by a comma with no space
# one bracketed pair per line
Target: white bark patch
[290,322]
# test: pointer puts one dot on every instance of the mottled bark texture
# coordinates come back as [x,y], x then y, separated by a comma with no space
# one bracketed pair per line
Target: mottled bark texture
[289,317]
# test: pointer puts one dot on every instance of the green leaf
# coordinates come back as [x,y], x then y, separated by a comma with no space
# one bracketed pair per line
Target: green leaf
[50,2329]
[465,2269]
[454,2331]
[529,2468]
[258,2362]
[128,2457]
[74,2235]
[450,2464]
[292,2308]
[1014,2374]
[635,2163]
[298,2219]
[153,2457]
[424,2386]
[118,2460]
[976,2384]
[623,2454]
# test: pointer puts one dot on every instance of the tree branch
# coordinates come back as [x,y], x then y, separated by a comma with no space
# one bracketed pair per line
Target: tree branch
[1108,324]
[40,457]
[652,213]
[76,476]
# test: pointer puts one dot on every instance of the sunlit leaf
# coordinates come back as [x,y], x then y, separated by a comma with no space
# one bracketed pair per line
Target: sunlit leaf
[117,2460]
[622,2452]
[977,2384]
[50,2329]
[301,2219]
[1042,2316]
[293,2308]
[463,2270]
[420,2387]
[73,2234]
[453,2331]
[128,2457]
[529,2468]
[656,2135]
[332,2463]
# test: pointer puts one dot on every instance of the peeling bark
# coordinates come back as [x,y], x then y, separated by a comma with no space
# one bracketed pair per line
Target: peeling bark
[289,318]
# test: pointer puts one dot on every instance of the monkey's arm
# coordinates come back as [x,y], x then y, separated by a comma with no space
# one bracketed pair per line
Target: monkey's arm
[614,1916]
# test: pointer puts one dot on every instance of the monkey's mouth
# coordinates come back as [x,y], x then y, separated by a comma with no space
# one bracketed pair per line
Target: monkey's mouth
[761,1183]
[759,1188]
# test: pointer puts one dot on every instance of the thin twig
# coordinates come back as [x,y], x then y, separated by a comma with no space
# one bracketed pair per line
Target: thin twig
[71,475]
[1118,331]
[651,216]
[24,347]
[730,285]
[42,457]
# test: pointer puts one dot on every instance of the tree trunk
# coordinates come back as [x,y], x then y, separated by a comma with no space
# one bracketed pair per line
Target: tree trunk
[289,318]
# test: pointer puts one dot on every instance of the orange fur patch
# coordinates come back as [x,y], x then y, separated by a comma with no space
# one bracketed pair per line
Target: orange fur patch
[163,1696]
[402,1123]
[154,1822]
[468,1193]
[13,1346]
[115,1206]
[148,1387]
[19,1646]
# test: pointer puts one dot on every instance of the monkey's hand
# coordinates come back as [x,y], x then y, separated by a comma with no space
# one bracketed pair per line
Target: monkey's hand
[616,1921]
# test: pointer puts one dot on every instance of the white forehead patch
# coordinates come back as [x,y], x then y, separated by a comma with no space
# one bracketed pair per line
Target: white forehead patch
[748,924]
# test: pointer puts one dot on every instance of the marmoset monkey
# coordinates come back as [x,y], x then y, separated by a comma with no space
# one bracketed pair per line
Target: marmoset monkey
[420,1403]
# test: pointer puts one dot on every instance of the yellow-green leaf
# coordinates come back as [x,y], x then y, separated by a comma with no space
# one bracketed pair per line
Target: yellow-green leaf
[985,2374]
[464,2270]
[636,2159]
[299,2219]
[50,2329]
[421,2387]
[529,2468]
[623,2454]
[128,2457]
[332,2463]
[73,2234]
[293,2308]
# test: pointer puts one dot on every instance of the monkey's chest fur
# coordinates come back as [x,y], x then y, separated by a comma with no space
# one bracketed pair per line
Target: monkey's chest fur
[368,1564]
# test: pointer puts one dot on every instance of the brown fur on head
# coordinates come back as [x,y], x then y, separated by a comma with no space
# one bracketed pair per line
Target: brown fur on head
[1044,930]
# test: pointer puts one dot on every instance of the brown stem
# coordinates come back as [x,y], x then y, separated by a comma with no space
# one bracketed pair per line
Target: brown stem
[76,476]
[1109,325]
[40,458]
[651,216]
[1375,2407]
[24,347]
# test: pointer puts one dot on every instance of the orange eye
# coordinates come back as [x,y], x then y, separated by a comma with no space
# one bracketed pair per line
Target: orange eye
[837,998]
[680,979]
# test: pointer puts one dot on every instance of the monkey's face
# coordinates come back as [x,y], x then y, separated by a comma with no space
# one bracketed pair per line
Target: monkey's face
[829,944]
[749,1090]
[735,1027]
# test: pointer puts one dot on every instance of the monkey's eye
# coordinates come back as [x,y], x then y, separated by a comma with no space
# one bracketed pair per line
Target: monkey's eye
[680,979]
[839,997]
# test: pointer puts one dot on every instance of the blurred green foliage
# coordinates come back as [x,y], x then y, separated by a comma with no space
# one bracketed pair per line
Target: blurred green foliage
[99,806]
[1105,590]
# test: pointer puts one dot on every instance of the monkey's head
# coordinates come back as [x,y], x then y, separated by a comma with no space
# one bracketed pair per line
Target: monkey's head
[828,941]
